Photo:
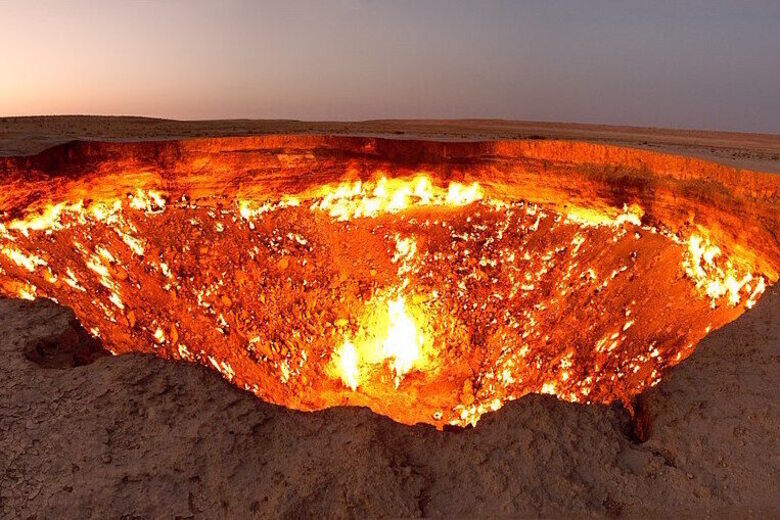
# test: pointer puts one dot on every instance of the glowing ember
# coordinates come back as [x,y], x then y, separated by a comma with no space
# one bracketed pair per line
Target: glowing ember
[426,300]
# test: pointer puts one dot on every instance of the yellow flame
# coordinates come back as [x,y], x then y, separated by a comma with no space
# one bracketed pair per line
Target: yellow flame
[403,343]
[345,360]
[48,218]
[26,261]
[149,201]
[392,335]
[718,278]
[460,195]
[249,209]
[591,217]
[369,199]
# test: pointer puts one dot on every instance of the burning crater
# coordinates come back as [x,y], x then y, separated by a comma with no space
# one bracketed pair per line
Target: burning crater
[432,282]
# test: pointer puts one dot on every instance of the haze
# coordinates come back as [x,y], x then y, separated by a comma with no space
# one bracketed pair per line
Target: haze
[685,64]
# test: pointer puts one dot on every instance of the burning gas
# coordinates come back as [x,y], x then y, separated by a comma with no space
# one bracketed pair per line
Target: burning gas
[426,300]
[391,336]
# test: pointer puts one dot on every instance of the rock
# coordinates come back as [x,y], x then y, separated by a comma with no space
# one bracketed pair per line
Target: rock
[467,393]
[173,335]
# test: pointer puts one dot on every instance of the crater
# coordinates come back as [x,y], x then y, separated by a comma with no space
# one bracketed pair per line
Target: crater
[432,282]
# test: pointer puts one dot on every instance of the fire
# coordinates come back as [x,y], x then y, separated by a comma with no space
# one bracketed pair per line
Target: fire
[594,218]
[28,261]
[426,297]
[719,278]
[402,343]
[459,195]
[390,338]
[47,219]
[345,362]
[369,199]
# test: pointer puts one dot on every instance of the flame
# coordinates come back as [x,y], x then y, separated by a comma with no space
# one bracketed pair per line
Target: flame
[28,261]
[150,201]
[250,210]
[391,336]
[347,201]
[606,217]
[460,195]
[403,342]
[345,362]
[718,278]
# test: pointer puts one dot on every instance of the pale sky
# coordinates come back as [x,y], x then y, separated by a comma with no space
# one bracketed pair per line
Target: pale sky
[685,64]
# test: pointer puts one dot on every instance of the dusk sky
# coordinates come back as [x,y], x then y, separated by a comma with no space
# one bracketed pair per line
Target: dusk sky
[685,64]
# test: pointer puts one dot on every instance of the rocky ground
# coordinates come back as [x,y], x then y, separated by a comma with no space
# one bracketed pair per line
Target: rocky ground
[759,152]
[85,435]
[92,436]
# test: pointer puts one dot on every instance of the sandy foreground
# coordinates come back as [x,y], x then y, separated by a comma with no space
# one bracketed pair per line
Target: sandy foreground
[138,437]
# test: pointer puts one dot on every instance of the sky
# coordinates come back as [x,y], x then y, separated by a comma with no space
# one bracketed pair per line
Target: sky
[681,64]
